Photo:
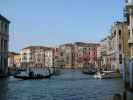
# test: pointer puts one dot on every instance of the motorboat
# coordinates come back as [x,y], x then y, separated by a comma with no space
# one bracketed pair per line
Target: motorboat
[107,75]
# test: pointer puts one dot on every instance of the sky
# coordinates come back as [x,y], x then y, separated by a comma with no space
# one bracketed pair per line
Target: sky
[54,22]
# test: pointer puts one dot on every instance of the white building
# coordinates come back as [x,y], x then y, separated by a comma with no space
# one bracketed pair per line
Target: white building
[33,56]
[49,60]
[26,55]
[13,60]
[105,48]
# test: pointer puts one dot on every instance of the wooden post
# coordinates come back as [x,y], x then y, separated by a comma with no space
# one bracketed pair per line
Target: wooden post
[124,77]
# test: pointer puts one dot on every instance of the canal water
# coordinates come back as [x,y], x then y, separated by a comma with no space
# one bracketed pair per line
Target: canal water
[70,85]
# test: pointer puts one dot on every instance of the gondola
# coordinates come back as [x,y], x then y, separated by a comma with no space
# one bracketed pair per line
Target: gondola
[32,77]
[89,72]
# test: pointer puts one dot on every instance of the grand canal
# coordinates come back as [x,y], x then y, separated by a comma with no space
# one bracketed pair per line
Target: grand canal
[70,85]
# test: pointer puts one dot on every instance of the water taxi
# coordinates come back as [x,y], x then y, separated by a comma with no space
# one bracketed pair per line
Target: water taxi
[106,75]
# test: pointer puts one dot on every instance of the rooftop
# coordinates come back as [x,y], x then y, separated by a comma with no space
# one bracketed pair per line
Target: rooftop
[4,18]
[36,47]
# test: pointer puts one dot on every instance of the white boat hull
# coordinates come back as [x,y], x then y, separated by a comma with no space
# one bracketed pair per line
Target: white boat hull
[106,75]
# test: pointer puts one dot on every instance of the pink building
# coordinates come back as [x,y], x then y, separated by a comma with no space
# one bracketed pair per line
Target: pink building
[78,54]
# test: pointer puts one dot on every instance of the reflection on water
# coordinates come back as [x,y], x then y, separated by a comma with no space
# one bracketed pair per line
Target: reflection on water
[70,85]
[3,89]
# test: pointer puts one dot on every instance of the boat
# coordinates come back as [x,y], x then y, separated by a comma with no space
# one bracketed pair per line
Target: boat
[31,76]
[106,75]
[90,70]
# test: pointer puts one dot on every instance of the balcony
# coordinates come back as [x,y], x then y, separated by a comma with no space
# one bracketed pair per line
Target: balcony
[130,41]
[129,4]
[126,12]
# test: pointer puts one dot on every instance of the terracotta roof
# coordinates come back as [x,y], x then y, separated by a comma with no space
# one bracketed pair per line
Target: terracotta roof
[67,44]
[12,53]
[86,44]
[36,47]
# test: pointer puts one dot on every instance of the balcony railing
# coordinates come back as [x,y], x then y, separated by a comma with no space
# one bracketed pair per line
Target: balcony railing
[129,4]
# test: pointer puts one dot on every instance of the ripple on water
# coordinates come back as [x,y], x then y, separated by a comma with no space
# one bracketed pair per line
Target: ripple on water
[71,85]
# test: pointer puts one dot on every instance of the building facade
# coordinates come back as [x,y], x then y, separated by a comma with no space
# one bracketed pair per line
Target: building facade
[99,57]
[119,44]
[49,57]
[33,56]
[17,60]
[78,54]
[114,48]
[128,13]
[4,39]
[66,56]
[13,60]
[56,56]
[84,54]
[105,51]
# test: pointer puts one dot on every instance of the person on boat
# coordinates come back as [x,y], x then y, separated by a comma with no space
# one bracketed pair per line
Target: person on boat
[31,73]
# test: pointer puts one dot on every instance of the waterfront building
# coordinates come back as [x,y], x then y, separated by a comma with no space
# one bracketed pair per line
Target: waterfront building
[33,56]
[105,49]
[26,56]
[13,60]
[115,47]
[56,56]
[49,57]
[119,45]
[78,54]
[17,60]
[128,14]
[66,55]
[99,56]
[84,54]
[39,56]
[4,39]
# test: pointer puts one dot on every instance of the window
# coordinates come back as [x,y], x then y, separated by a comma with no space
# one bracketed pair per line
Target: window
[128,34]
[2,27]
[6,28]
[119,34]
[61,53]
[114,33]
[5,45]
[84,50]
[120,47]
[38,60]
[30,57]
